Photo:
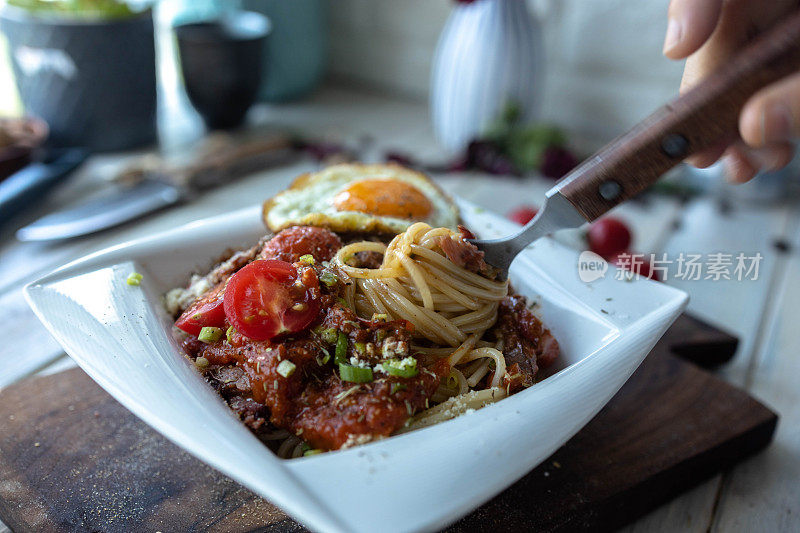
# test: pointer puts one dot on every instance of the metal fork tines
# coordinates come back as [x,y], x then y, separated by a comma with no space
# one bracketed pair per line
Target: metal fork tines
[556,213]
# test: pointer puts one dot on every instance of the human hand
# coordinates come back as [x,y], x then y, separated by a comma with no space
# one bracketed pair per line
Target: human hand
[708,33]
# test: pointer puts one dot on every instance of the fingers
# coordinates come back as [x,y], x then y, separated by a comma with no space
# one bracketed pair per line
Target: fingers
[709,156]
[772,114]
[690,23]
[742,163]
[767,125]
[728,36]
[738,168]
[738,22]
[709,32]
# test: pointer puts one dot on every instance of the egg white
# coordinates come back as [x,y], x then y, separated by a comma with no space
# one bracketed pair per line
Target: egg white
[309,201]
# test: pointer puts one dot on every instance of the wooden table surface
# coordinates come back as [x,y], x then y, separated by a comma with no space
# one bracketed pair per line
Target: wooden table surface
[762,494]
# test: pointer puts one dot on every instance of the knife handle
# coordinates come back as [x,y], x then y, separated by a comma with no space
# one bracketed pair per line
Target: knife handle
[701,118]
[28,185]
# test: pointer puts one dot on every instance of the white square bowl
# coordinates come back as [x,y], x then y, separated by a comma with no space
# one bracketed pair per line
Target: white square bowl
[121,336]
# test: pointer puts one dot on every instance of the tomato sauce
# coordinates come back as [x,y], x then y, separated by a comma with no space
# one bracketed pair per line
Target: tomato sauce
[527,344]
[307,397]
[313,402]
[282,368]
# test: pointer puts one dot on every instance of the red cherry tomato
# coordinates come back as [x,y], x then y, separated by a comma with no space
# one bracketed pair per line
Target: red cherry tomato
[523,214]
[205,311]
[636,263]
[291,244]
[263,301]
[608,236]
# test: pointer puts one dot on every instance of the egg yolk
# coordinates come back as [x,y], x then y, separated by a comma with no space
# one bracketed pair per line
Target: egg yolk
[388,198]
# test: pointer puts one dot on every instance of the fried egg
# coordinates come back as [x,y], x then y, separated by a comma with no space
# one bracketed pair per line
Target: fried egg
[361,198]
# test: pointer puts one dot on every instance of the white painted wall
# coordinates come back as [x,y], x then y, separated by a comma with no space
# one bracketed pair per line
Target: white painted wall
[604,72]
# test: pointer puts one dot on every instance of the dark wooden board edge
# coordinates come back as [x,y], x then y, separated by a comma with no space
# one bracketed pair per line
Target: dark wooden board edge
[663,487]
[702,344]
[743,424]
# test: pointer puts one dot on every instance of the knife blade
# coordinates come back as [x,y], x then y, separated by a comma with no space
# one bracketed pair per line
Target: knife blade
[154,185]
[121,205]
[29,185]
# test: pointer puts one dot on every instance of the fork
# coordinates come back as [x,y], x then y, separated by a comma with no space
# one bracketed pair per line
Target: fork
[703,117]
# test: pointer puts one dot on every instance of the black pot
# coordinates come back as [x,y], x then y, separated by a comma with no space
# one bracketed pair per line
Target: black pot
[92,81]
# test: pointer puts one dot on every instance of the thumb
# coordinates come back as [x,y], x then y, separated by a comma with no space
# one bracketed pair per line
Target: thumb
[772,114]
[690,24]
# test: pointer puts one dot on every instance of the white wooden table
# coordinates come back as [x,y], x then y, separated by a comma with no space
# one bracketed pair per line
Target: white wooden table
[762,494]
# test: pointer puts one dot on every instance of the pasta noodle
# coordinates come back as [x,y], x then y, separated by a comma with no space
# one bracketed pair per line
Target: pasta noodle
[288,336]
[450,307]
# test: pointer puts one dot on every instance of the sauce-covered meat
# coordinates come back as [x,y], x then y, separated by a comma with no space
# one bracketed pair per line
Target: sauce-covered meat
[313,401]
[333,413]
[464,254]
[332,378]
[527,344]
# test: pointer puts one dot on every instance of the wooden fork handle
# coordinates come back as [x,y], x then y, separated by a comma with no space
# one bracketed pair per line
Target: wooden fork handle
[706,115]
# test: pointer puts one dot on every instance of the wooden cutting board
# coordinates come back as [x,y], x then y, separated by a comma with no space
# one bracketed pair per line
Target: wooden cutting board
[73,459]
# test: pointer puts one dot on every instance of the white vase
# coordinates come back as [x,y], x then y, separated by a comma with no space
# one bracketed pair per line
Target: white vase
[489,54]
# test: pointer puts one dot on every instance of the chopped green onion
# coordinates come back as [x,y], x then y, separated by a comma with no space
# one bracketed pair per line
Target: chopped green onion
[134,278]
[329,278]
[361,348]
[308,258]
[380,335]
[229,334]
[355,374]
[380,317]
[452,381]
[201,362]
[396,387]
[344,394]
[343,302]
[405,368]
[329,335]
[314,451]
[340,356]
[323,358]
[286,368]
[210,334]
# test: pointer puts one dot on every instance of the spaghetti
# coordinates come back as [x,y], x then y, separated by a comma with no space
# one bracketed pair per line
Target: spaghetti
[319,346]
[447,304]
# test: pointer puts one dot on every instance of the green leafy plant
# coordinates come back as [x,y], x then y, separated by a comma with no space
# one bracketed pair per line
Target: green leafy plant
[525,145]
[88,9]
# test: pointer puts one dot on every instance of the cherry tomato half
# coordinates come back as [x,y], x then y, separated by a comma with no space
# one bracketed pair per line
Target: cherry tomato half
[263,300]
[608,236]
[205,311]
[523,215]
